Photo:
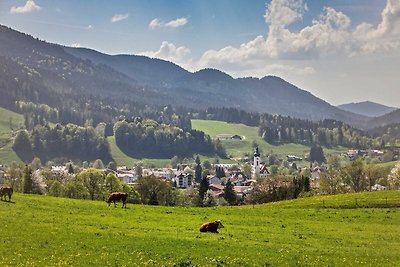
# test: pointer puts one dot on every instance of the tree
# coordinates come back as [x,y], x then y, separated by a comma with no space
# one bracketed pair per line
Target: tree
[394,178]
[229,194]
[27,178]
[198,170]
[219,172]
[317,154]
[98,164]
[112,183]
[70,168]
[112,166]
[153,190]
[22,145]
[274,169]
[204,186]
[93,180]
[354,175]
[330,182]
[209,199]
[153,198]
[36,164]
[246,169]
[174,162]
[139,170]
[334,162]
[56,189]
[206,165]
[75,188]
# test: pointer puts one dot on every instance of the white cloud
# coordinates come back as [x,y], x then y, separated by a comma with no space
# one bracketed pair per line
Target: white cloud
[169,51]
[30,6]
[157,23]
[89,27]
[76,45]
[119,17]
[284,12]
[329,34]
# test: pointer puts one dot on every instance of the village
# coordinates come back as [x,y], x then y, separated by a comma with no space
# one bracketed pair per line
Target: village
[242,178]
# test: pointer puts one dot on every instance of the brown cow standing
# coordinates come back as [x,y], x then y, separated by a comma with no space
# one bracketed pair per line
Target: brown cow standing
[6,191]
[211,227]
[117,196]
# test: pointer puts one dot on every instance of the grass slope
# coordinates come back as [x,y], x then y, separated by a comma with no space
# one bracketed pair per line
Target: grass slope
[236,148]
[47,231]
[9,122]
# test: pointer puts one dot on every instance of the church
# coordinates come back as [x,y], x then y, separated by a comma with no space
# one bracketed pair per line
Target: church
[258,170]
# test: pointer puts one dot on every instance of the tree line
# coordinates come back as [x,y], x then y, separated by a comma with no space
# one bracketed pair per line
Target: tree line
[62,141]
[150,138]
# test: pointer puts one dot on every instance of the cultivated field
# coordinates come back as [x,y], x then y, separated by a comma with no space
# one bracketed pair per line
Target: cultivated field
[46,231]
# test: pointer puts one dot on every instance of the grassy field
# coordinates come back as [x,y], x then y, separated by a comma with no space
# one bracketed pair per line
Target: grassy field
[46,231]
[236,148]
[9,122]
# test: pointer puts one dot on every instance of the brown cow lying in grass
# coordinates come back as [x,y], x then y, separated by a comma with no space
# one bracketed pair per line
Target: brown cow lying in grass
[118,196]
[211,227]
[6,191]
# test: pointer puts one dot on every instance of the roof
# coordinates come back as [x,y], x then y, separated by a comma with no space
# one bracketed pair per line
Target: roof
[217,186]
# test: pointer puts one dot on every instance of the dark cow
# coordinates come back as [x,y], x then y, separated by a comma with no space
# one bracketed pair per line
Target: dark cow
[6,191]
[118,196]
[211,227]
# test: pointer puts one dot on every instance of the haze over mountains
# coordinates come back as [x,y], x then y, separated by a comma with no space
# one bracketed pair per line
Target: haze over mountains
[367,108]
[80,71]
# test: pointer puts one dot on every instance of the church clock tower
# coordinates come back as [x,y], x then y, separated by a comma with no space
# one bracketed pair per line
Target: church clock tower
[256,163]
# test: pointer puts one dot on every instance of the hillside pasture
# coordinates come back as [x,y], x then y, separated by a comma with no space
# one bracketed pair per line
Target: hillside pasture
[48,231]
[10,122]
[237,148]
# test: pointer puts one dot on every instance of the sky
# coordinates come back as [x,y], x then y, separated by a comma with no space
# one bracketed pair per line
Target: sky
[339,50]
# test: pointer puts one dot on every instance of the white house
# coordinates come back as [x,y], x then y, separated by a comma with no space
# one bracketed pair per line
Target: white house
[184,180]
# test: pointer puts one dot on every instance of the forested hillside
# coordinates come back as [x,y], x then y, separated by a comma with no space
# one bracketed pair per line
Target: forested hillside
[82,90]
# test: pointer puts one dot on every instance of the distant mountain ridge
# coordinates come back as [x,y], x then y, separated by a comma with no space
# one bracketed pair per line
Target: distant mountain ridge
[158,82]
[367,108]
[389,118]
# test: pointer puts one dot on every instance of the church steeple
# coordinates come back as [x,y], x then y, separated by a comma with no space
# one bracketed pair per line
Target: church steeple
[256,163]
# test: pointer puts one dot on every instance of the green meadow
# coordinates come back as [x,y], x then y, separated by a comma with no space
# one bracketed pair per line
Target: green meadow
[9,122]
[46,231]
[237,148]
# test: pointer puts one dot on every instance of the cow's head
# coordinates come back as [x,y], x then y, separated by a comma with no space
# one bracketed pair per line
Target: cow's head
[220,225]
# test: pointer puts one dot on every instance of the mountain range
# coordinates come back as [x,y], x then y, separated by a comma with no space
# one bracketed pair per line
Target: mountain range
[86,72]
[367,108]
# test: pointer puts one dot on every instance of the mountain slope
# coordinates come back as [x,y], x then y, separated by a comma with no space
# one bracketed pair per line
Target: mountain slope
[210,87]
[149,81]
[390,118]
[367,108]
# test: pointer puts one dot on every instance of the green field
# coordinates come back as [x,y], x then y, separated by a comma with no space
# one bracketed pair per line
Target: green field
[236,148]
[46,231]
[9,122]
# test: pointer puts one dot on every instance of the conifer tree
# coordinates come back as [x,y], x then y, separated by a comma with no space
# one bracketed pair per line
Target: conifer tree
[204,185]
[27,179]
[229,194]
[198,170]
